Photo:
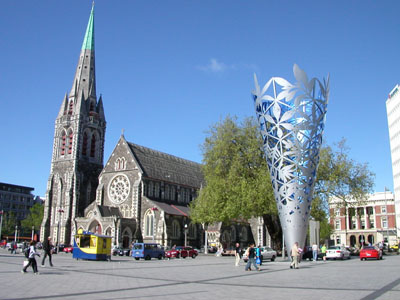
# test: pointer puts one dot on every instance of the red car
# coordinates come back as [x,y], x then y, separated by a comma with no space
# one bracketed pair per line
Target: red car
[181,251]
[370,252]
[68,249]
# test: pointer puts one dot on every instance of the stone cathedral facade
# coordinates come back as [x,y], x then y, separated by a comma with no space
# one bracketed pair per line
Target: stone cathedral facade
[78,148]
[140,194]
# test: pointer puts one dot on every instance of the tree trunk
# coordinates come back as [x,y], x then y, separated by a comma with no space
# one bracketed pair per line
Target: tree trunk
[274,229]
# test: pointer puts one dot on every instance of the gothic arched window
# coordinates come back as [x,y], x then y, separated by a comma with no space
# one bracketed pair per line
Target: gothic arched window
[71,107]
[70,141]
[84,143]
[172,193]
[93,146]
[176,231]
[63,142]
[166,193]
[149,224]
[120,164]
[192,230]
[150,189]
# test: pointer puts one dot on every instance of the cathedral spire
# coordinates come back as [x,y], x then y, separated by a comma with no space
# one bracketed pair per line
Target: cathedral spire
[88,41]
[85,75]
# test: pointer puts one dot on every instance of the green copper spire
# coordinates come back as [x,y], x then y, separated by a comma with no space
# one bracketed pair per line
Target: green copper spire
[88,41]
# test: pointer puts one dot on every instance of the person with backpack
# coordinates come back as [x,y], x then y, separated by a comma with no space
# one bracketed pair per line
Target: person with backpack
[251,253]
[47,251]
[31,253]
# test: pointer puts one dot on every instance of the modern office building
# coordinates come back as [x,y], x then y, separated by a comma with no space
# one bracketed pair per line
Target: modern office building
[393,116]
[362,222]
[17,199]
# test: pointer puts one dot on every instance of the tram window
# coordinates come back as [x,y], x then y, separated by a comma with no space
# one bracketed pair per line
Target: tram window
[85,242]
[104,243]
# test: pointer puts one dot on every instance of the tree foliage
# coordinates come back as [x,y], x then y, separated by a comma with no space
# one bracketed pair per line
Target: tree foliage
[238,186]
[236,174]
[34,218]
[341,177]
[9,223]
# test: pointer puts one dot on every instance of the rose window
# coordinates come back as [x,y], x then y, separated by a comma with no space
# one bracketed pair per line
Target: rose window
[118,190]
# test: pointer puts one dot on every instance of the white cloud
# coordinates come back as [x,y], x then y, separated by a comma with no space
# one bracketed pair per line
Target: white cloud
[214,66]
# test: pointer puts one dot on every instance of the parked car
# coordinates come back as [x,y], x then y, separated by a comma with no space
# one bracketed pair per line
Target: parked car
[60,248]
[228,252]
[181,251]
[308,254]
[353,251]
[370,252]
[68,249]
[394,248]
[265,253]
[337,252]
[212,249]
[147,251]
[121,251]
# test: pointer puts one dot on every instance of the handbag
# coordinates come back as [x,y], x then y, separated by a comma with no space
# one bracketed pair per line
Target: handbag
[26,262]
[258,261]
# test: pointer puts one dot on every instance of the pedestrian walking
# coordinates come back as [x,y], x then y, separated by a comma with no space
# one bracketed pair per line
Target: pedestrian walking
[295,254]
[315,251]
[238,255]
[32,260]
[323,251]
[258,255]
[251,260]
[47,246]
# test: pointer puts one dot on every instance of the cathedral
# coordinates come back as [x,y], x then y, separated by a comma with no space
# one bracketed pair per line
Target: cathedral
[140,194]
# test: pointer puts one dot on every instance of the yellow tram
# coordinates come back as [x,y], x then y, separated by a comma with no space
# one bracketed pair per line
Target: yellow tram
[88,245]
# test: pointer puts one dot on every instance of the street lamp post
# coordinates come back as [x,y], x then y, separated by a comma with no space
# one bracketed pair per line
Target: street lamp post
[387,219]
[58,231]
[33,230]
[15,234]
[1,222]
[205,239]
[185,234]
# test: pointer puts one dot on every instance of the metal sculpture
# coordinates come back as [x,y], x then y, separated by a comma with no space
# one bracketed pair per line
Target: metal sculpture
[291,118]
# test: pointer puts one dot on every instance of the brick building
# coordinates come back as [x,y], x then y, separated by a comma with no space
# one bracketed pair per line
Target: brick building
[370,221]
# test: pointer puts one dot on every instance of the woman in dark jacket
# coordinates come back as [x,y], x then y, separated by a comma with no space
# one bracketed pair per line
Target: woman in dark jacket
[47,251]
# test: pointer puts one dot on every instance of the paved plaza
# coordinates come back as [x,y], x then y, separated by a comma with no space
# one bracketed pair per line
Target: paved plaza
[206,277]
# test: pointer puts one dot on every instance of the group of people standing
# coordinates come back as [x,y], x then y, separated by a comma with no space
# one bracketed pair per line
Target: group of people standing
[32,252]
[252,254]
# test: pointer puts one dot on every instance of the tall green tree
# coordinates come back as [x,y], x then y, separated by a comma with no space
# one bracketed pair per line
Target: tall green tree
[34,218]
[238,185]
[9,223]
[342,179]
[236,174]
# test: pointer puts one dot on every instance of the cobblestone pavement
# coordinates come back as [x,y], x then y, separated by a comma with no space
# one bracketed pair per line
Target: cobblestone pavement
[206,277]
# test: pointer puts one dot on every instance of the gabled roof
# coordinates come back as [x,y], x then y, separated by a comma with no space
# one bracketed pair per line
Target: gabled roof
[108,211]
[175,210]
[165,167]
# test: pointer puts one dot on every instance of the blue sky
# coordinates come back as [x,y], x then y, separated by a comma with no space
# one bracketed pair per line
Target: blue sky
[168,70]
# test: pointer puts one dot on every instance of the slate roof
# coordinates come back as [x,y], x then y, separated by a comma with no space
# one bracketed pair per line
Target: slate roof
[171,209]
[108,211]
[166,167]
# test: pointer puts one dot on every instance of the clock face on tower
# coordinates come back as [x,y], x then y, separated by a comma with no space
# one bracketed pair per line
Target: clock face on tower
[118,190]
